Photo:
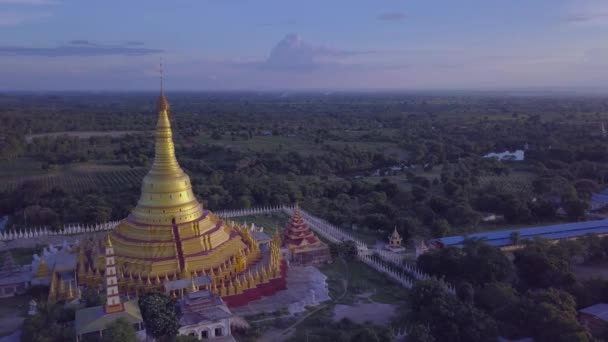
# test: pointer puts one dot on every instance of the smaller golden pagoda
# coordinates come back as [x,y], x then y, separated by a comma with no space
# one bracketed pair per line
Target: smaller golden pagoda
[304,246]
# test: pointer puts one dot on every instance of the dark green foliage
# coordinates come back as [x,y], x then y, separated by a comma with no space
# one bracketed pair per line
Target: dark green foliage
[48,325]
[346,250]
[158,312]
[541,265]
[477,263]
[91,297]
[547,316]
[321,328]
[419,333]
[447,318]
[119,330]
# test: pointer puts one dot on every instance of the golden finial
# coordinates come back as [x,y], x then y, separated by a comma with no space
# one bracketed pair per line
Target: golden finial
[108,241]
[193,286]
[70,291]
[163,104]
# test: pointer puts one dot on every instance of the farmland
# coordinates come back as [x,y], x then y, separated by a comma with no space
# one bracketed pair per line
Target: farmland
[73,178]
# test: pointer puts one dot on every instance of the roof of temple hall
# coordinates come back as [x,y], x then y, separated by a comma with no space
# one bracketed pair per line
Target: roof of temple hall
[298,235]
[502,238]
[94,319]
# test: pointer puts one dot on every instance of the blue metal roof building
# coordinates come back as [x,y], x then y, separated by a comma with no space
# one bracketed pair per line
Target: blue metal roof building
[502,238]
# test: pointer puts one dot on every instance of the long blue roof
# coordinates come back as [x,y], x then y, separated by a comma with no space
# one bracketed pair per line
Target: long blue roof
[501,238]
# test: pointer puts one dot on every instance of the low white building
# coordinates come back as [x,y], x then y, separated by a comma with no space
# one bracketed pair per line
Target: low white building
[204,315]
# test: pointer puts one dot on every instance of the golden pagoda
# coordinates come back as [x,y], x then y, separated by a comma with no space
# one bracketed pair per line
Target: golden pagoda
[169,235]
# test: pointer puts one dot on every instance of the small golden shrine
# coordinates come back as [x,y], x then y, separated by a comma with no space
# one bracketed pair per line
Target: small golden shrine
[394,242]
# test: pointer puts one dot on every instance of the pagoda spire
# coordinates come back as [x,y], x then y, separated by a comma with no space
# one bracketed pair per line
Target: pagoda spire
[113,303]
[166,192]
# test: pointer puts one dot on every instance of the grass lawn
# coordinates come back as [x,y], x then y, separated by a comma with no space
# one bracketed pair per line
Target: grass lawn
[271,222]
[361,279]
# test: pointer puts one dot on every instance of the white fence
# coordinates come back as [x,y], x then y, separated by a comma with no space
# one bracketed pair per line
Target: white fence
[66,230]
[392,264]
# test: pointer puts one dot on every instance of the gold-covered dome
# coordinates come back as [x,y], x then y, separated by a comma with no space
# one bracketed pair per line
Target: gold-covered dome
[166,192]
[169,231]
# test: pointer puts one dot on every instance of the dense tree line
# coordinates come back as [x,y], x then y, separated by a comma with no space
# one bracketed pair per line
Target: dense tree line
[441,137]
[536,295]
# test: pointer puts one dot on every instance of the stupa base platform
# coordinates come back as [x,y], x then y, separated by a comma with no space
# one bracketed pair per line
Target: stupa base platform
[306,286]
[262,290]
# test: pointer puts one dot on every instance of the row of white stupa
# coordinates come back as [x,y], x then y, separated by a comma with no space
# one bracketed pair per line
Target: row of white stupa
[70,230]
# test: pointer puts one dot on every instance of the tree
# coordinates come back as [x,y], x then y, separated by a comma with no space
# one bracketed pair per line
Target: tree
[541,265]
[447,318]
[119,330]
[477,263]
[45,325]
[365,335]
[548,315]
[91,297]
[158,313]
[419,333]
[440,228]
[514,237]
[576,209]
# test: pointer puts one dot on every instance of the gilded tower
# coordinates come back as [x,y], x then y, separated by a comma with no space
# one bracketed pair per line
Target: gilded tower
[169,235]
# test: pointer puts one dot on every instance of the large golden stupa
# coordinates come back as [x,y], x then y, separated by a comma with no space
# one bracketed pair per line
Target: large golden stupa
[170,236]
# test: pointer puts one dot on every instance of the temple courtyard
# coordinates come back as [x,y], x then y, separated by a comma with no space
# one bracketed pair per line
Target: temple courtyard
[306,286]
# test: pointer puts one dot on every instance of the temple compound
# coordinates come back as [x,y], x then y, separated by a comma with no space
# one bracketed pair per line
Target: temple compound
[303,245]
[169,236]
[56,268]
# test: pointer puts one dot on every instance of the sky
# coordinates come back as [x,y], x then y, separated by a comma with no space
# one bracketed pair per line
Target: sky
[303,44]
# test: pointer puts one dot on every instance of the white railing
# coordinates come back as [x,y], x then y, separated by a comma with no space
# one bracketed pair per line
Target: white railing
[249,212]
[72,229]
[396,269]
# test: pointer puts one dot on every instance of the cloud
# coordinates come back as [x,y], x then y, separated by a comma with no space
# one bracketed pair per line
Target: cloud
[8,18]
[80,42]
[292,53]
[392,16]
[77,48]
[134,43]
[27,2]
[587,18]
[589,12]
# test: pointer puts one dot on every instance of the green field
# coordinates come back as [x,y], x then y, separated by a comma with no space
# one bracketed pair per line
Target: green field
[71,177]
[296,143]
[361,279]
